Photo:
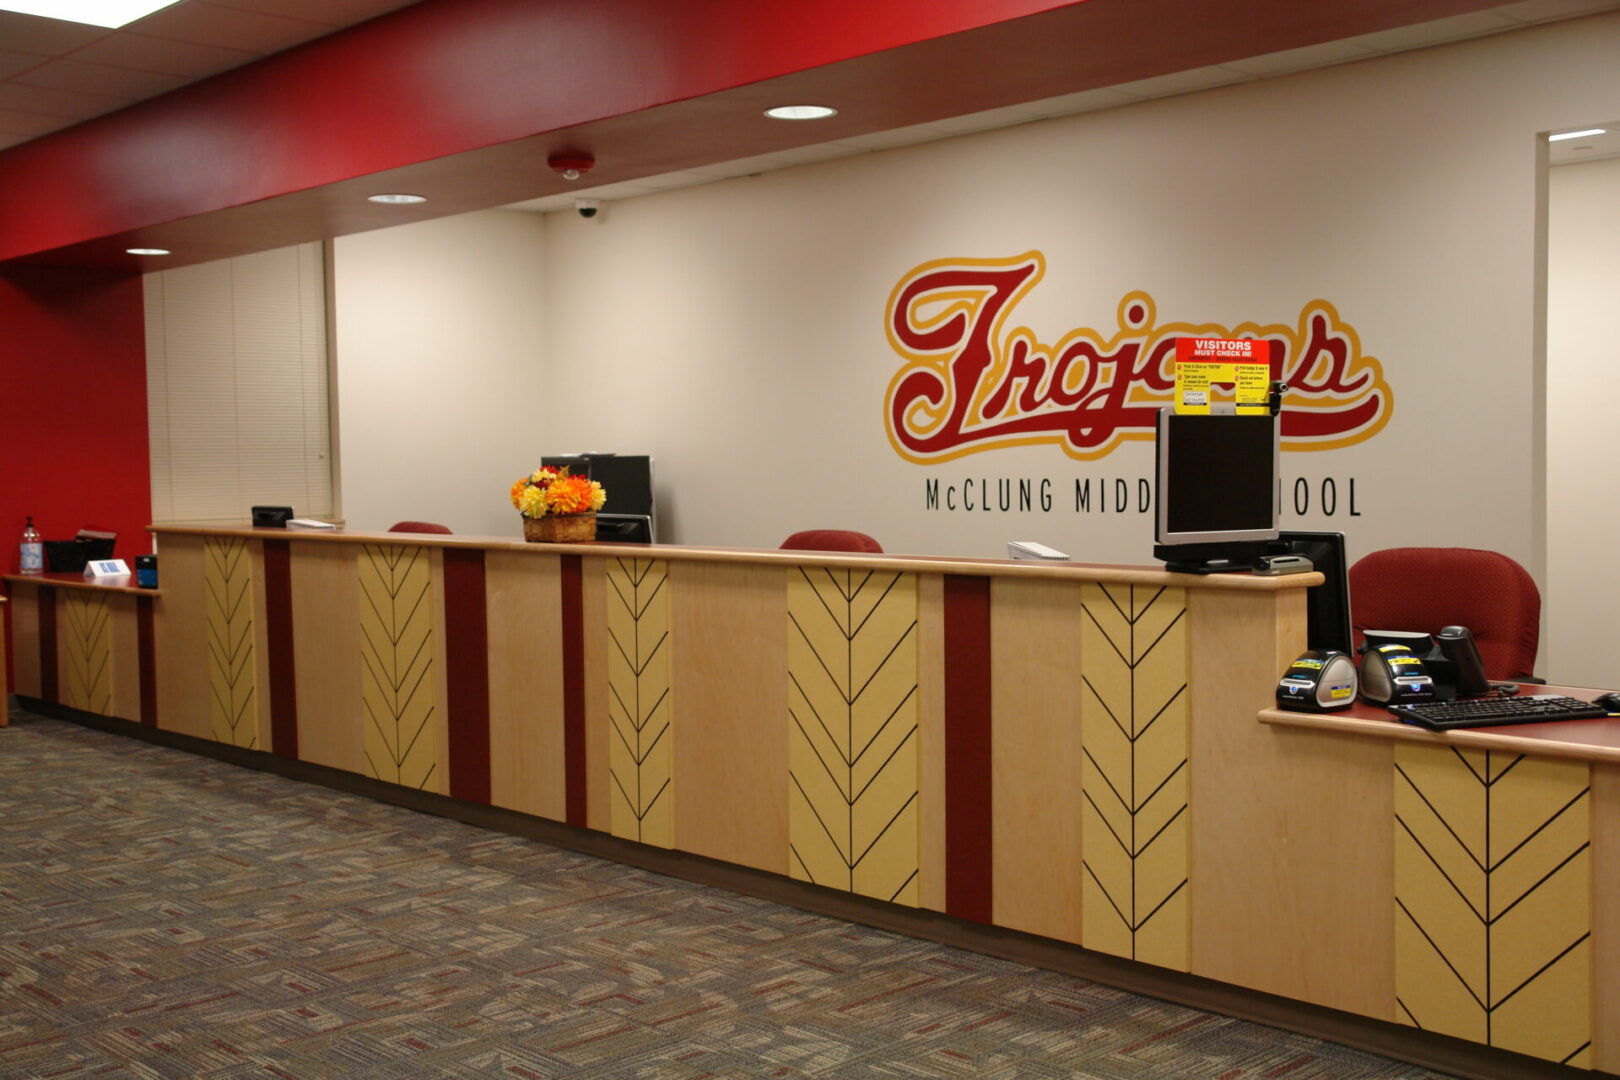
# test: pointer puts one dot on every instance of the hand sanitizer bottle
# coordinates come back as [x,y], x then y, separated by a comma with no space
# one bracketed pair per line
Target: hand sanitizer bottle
[33,551]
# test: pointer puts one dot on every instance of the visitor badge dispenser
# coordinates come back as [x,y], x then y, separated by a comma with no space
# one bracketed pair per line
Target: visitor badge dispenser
[1321,680]
[1394,675]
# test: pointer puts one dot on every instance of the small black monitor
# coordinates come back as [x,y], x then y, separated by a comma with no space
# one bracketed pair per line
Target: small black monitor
[1327,606]
[1216,489]
[624,528]
[627,478]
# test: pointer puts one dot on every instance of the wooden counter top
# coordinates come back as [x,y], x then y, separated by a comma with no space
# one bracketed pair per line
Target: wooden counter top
[1582,740]
[926,564]
[122,583]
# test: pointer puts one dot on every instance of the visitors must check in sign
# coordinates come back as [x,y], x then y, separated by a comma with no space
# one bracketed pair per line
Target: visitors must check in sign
[1203,364]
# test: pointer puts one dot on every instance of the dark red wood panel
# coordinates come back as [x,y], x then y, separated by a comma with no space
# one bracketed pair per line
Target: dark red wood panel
[466,662]
[573,675]
[278,625]
[968,871]
[146,660]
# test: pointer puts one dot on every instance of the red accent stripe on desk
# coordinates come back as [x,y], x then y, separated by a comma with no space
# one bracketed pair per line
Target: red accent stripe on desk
[49,685]
[573,675]
[968,869]
[278,633]
[466,663]
[146,659]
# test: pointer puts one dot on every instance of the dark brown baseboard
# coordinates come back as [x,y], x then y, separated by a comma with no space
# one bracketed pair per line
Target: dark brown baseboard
[1439,1052]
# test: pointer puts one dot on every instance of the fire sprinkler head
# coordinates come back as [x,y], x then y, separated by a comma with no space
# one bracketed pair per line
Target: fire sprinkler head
[572,166]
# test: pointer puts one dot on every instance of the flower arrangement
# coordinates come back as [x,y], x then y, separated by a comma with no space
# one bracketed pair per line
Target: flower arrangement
[551,492]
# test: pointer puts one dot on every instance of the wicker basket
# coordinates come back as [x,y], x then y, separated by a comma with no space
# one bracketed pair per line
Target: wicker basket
[564,529]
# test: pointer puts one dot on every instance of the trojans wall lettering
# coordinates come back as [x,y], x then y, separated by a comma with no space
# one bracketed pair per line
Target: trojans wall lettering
[969,383]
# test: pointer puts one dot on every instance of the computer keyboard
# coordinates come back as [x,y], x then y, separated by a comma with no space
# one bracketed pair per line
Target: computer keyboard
[1484,712]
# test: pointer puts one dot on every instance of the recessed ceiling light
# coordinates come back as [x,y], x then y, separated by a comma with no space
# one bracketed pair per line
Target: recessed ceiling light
[396,199]
[1562,135]
[801,112]
[109,13]
[147,251]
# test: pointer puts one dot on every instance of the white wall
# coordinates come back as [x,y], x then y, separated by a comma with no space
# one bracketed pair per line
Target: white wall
[736,330]
[443,396]
[1583,389]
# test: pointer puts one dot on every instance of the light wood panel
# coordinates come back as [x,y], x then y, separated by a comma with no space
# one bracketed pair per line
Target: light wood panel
[1606,918]
[1290,842]
[25,639]
[1035,642]
[524,602]
[732,758]
[234,694]
[852,734]
[1493,899]
[84,650]
[325,590]
[126,657]
[931,852]
[180,630]
[400,666]
[640,704]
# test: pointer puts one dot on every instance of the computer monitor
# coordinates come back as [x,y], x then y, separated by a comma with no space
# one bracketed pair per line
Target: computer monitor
[1327,606]
[1217,490]
[627,478]
[624,528]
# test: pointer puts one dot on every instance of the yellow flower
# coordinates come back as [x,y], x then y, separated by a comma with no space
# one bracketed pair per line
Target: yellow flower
[598,496]
[533,502]
[517,492]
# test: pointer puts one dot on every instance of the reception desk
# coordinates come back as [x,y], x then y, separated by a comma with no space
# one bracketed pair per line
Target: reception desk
[1067,754]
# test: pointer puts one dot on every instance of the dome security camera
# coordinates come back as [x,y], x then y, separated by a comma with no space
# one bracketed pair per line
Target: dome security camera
[587,208]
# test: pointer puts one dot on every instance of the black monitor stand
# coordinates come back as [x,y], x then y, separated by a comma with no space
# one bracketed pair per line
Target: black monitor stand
[1224,557]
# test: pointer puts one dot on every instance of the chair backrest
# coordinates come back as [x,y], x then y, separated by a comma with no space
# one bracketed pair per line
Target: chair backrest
[418,527]
[1430,588]
[831,540]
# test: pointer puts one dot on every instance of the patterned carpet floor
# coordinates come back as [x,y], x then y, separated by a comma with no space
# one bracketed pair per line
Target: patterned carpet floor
[167,915]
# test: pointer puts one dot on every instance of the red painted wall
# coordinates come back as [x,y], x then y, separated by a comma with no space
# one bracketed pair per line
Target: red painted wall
[73,444]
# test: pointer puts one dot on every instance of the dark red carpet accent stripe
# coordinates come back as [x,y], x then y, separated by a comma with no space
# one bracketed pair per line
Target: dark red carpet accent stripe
[49,686]
[967,748]
[146,659]
[573,674]
[466,662]
[278,633]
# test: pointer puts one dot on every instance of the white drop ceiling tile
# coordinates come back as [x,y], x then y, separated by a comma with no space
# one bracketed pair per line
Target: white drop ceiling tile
[1439,31]
[15,63]
[124,49]
[333,12]
[1085,101]
[1291,60]
[45,37]
[27,124]
[50,101]
[101,79]
[1547,10]
[1184,82]
[225,27]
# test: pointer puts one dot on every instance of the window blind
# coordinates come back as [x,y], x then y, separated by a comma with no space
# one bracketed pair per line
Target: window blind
[236,368]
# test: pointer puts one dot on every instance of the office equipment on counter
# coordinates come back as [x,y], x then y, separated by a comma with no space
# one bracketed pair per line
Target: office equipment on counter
[271,517]
[72,556]
[309,523]
[1216,490]
[146,572]
[1327,606]
[1490,712]
[1393,675]
[1321,680]
[1450,658]
[625,528]
[106,568]
[1029,549]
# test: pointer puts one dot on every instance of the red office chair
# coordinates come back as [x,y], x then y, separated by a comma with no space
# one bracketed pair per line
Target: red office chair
[832,540]
[418,527]
[1429,588]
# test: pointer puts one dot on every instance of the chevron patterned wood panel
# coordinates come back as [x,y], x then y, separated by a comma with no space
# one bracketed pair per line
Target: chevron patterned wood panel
[85,647]
[639,704]
[1134,741]
[852,736]
[232,673]
[399,685]
[1493,919]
